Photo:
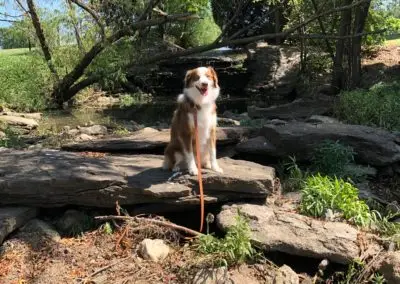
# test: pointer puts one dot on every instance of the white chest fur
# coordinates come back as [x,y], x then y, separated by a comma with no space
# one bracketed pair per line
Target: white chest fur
[206,119]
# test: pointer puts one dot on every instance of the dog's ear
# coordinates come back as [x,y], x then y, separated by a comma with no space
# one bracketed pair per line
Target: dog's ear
[214,76]
[188,78]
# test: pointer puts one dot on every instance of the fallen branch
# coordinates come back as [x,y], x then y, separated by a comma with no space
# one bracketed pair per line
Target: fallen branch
[156,222]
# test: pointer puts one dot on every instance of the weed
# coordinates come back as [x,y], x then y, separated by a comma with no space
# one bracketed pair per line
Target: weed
[321,193]
[294,176]
[106,228]
[234,248]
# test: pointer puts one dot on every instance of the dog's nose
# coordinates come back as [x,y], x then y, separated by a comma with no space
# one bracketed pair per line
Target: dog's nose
[204,85]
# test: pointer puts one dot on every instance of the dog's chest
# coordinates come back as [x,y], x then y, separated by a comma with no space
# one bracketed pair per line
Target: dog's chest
[206,119]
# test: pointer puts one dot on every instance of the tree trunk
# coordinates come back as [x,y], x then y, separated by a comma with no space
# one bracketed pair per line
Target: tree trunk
[338,76]
[42,39]
[361,14]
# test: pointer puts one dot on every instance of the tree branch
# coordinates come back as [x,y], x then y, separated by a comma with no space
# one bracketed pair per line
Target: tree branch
[80,68]
[42,39]
[322,27]
[94,15]
[148,9]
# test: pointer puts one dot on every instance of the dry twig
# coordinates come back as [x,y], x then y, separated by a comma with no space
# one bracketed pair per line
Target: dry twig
[154,221]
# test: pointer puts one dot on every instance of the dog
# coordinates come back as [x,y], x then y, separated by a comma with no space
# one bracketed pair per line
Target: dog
[200,92]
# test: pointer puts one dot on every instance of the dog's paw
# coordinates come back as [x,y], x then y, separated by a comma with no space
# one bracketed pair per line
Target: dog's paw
[193,171]
[217,169]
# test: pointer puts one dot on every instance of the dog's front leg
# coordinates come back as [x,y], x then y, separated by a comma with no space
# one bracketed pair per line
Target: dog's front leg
[212,150]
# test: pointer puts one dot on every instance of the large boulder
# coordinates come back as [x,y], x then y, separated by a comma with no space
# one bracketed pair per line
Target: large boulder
[275,229]
[373,146]
[52,178]
[389,266]
[296,110]
[12,218]
[274,73]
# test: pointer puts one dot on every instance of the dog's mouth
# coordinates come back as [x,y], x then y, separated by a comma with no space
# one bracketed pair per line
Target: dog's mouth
[203,90]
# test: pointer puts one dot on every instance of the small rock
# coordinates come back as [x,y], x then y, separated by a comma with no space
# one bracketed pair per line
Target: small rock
[227,122]
[276,121]
[41,227]
[285,275]
[211,276]
[154,250]
[322,119]
[2,135]
[73,222]
[84,137]
[73,132]
[94,130]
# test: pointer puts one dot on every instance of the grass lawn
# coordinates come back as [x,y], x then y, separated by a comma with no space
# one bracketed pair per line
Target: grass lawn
[24,78]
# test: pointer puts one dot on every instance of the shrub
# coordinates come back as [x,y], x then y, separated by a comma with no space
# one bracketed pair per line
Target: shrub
[379,106]
[234,248]
[321,193]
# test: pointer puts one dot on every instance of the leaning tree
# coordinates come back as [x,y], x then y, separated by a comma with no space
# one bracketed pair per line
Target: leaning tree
[129,24]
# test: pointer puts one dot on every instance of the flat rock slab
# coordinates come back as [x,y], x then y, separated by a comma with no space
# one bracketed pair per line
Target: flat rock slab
[153,139]
[12,218]
[298,109]
[56,178]
[19,121]
[373,146]
[277,230]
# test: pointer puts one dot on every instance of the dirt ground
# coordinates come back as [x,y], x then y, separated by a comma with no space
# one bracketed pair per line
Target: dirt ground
[381,66]
[100,257]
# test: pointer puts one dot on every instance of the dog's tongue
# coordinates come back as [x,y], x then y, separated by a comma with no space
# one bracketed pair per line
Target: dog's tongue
[204,91]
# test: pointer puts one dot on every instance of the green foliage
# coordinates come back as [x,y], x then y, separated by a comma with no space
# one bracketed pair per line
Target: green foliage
[379,106]
[199,32]
[234,248]
[332,157]
[321,193]
[379,20]
[24,81]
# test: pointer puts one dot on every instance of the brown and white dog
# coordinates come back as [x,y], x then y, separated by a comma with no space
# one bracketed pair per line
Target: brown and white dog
[200,92]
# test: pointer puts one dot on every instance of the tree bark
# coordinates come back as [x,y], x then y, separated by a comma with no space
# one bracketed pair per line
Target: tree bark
[338,76]
[360,17]
[42,39]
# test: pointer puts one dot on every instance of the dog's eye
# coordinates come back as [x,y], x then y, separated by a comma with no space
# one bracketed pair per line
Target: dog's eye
[196,77]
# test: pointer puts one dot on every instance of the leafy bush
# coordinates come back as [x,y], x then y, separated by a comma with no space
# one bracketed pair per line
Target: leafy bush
[379,106]
[321,193]
[234,248]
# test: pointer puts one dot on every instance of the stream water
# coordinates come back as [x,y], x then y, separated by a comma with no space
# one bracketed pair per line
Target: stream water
[159,110]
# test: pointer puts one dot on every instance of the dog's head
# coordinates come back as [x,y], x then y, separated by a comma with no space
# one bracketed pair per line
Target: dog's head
[201,85]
